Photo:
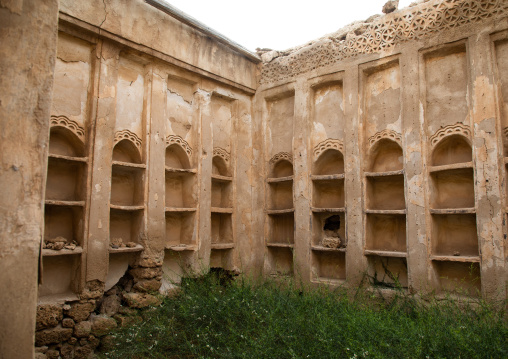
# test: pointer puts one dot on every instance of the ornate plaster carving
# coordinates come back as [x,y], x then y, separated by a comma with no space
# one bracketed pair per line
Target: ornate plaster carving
[71,125]
[327,144]
[128,135]
[221,152]
[457,129]
[281,156]
[383,33]
[173,139]
[386,134]
[505,134]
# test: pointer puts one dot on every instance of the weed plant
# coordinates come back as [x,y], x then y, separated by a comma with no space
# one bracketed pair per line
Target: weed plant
[280,320]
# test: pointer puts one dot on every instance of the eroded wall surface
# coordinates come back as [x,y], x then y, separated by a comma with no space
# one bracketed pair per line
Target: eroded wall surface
[398,141]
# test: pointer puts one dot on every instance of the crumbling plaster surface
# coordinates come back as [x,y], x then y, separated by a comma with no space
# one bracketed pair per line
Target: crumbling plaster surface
[131,19]
[28,33]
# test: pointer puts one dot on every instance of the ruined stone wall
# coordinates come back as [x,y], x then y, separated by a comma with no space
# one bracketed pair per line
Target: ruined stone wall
[392,131]
[142,172]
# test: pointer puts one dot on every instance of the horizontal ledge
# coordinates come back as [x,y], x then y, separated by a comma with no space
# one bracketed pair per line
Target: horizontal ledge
[384,174]
[68,158]
[327,249]
[220,178]
[453,211]
[279,211]
[340,176]
[395,254]
[182,247]
[386,211]
[222,210]
[333,210]
[61,252]
[220,246]
[180,209]
[126,208]
[279,179]
[189,171]
[53,202]
[138,248]
[328,281]
[129,164]
[465,259]
[59,298]
[280,245]
[454,166]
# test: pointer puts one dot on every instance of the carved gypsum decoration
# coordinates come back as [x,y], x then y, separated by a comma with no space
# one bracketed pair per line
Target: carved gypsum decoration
[383,33]
[327,144]
[505,134]
[386,134]
[173,139]
[71,125]
[221,152]
[281,156]
[457,129]
[128,135]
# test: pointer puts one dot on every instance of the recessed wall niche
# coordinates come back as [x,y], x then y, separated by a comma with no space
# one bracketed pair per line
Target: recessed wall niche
[222,237]
[384,184]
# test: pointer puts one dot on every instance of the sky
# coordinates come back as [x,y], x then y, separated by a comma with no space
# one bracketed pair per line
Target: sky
[279,24]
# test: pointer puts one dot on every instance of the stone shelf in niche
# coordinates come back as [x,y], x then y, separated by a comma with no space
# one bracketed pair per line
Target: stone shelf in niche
[126,208]
[328,281]
[129,164]
[465,259]
[395,254]
[222,210]
[331,210]
[183,171]
[219,246]
[279,179]
[327,177]
[182,247]
[453,211]
[451,167]
[384,174]
[274,212]
[220,178]
[137,248]
[180,209]
[67,158]
[52,202]
[327,249]
[279,245]
[61,252]
[386,211]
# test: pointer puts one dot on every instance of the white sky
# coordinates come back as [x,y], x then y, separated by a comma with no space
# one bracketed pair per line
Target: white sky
[279,24]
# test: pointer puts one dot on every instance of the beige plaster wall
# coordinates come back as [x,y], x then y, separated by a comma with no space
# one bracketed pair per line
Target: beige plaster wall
[28,32]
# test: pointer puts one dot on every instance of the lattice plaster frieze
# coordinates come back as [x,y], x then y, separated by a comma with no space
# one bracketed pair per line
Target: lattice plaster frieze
[128,135]
[327,144]
[505,134]
[173,139]
[457,129]
[71,125]
[386,134]
[383,33]
[281,156]
[221,152]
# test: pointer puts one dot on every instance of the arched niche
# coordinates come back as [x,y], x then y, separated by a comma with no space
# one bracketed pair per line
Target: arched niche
[126,151]
[330,162]
[63,141]
[452,149]
[176,157]
[282,168]
[386,155]
[219,166]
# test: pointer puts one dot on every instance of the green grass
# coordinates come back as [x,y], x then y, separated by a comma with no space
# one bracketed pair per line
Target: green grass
[271,320]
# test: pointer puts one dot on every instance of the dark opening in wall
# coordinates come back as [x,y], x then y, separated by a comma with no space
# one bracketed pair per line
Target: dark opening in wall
[332,223]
